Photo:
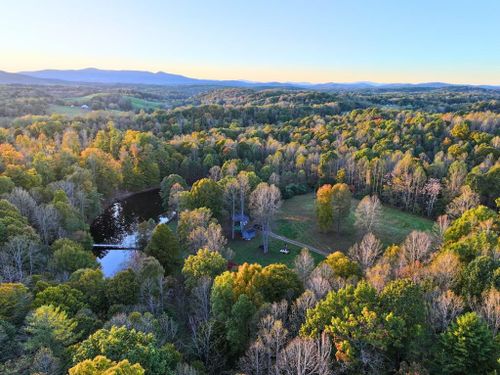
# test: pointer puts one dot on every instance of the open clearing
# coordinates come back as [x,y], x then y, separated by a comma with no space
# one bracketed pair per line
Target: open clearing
[296,220]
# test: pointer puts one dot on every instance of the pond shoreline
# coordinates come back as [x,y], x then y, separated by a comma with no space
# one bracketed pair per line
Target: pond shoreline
[124,194]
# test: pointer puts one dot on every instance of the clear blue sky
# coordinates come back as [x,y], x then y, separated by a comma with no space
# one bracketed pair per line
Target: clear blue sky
[337,40]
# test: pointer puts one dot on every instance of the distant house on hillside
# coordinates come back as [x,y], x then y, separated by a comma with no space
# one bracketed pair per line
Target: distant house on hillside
[85,106]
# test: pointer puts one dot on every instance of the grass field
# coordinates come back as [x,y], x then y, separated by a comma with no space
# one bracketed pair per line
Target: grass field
[297,220]
[248,251]
[67,110]
[74,111]
[137,103]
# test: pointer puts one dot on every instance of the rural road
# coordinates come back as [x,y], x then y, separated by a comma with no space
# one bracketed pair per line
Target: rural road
[297,243]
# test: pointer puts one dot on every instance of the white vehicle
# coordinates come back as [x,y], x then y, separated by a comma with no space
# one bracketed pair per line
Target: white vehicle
[285,250]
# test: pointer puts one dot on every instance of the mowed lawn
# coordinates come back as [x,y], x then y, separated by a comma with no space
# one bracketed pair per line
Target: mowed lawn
[297,220]
[248,251]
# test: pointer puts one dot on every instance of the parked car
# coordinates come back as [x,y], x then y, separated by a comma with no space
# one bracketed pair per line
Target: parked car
[285,250]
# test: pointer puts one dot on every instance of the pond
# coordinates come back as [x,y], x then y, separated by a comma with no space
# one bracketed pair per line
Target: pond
[117,225]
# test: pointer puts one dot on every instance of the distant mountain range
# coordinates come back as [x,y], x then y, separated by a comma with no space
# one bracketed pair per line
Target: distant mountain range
[136,77]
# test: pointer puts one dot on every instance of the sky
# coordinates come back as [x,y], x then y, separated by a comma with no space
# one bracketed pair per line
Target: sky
[301,41]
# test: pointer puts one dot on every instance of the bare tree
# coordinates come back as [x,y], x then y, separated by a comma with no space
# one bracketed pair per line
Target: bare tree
[200,299]
[230,168]
[367,251]
[379,275]
[444,269]
[443,309]
[319,280]
[190,220]
[465,201]
[173,197]
[305,301]
[47,221]
[23,201]
[368,213]
[440,226]
[490,309]
[431,189]
[19,258]
[215,173]
[306,356]
[456,178]
[274,179]
[304,264]
[264,203]
[166,329]
[279,311]
[231,191]
[244,189]
[44,362]
[210,237]
[205,342]
[254,362]
[273,336]
[185,369]
[416,248]
[215,238]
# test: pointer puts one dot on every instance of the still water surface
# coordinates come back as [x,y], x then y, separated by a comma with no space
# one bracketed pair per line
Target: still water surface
[117,225]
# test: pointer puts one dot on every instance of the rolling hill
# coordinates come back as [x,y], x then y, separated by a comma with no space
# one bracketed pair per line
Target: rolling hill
[138,77]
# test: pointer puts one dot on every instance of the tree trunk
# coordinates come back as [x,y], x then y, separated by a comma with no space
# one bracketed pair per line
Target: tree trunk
[265,237]
[232,220]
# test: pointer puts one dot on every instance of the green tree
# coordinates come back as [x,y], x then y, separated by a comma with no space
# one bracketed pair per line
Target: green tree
[468,347]
[405,299]
[12,223]
[123,288]
[70,300]
[166,185]
[204,263]
[6,185]
[354,319]
[324,211]
[277,281]
[69,256]
[207,193]
[238,324]
[119,343]
[341,203]
[100,365]
[71,219]
[165,247]
[49,327]
[477,277]
[342,266]
[222,296]
[15,301]
[105,170]
[93,286]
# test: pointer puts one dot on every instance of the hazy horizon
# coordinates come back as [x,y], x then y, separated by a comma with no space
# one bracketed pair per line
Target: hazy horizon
[324,41]
[243,79]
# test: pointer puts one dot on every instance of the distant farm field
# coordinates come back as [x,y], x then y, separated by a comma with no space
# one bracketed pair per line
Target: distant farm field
[297,220]
[67,110]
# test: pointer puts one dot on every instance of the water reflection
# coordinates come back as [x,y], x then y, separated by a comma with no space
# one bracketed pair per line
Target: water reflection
[118,224]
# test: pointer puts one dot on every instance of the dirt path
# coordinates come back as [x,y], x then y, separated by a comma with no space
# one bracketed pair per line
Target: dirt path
[299,244]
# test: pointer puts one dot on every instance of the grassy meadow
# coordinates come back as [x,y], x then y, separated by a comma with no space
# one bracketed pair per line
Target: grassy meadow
[297,220]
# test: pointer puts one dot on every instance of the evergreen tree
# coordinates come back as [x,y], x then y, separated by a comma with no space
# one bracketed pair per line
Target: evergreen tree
[165,247]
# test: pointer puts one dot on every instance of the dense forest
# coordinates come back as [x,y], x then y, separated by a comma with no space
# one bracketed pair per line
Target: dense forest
[429,304]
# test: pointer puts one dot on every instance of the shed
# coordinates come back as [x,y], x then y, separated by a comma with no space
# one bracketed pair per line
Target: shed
[248,234]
